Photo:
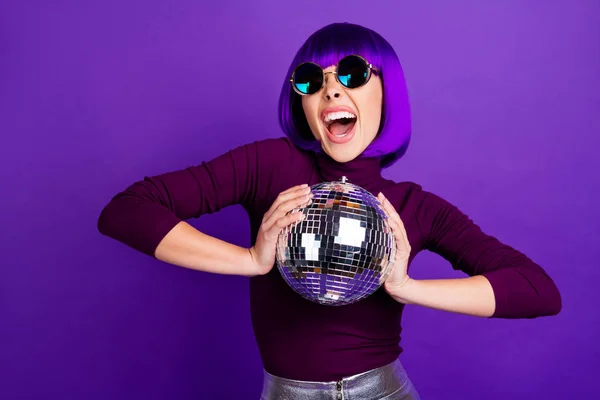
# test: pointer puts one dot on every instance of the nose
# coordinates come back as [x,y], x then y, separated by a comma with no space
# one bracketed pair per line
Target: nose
[333,89]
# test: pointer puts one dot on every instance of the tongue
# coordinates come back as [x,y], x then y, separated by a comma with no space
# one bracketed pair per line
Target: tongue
[340,129]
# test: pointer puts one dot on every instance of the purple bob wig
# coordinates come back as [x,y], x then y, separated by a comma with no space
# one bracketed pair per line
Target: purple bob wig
[326,47]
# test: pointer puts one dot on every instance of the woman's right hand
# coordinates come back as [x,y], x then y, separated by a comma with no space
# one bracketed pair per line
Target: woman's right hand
[275,219]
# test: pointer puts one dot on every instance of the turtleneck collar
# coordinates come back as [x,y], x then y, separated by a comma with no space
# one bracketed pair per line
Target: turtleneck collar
[362,171]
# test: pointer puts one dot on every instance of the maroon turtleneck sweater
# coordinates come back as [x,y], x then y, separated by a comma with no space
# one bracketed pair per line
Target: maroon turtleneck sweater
[299,339]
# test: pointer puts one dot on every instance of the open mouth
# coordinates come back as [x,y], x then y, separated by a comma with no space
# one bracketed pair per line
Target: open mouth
[339,124]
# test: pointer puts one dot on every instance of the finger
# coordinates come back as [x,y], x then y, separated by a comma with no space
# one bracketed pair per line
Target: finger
[284,221]
[289,194]
[382,199]
[285,207]
[402,245]
[395,221]
[387,207]
[294,188]
[393,214]
[297,202]
[286,195]
[279,214]
[388,210]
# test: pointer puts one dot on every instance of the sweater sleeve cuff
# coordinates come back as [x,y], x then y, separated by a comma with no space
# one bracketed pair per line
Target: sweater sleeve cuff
[500,283]
[523,293]
[161,229]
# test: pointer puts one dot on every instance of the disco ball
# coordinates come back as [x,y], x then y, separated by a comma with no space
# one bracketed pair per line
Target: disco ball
[342,251]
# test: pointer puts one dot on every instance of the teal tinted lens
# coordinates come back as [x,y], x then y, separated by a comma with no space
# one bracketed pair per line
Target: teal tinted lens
[352,71]
[308,78]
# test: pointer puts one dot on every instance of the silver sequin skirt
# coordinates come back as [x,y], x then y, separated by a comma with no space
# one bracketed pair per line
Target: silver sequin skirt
[389,382]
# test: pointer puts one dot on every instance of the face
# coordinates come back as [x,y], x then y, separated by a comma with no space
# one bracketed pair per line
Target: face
[345,121]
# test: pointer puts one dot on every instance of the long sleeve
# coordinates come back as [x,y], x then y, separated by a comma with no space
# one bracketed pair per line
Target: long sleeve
[141,215]
[522,288]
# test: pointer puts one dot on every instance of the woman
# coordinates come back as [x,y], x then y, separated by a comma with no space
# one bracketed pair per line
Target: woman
[344,110]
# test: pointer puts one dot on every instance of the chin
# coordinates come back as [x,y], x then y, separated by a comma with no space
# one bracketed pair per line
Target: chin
[343,153]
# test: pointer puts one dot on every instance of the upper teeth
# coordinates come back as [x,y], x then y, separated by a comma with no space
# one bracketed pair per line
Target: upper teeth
[338,115]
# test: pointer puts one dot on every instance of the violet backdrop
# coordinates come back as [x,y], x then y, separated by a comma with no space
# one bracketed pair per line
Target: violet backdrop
[97,94]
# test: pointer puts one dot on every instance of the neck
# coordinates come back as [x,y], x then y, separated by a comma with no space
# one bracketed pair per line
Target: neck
[362,171]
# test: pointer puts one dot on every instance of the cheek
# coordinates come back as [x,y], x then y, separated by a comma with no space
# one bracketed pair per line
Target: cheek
[374,108]
[371,113]
[310,107]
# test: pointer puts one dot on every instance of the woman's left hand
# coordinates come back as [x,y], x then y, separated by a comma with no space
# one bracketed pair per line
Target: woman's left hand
[398,276]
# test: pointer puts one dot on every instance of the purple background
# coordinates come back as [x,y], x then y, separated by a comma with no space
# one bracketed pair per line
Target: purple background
[95,95]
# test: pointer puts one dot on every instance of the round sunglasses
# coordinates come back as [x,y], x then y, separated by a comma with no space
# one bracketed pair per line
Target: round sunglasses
[352,72]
